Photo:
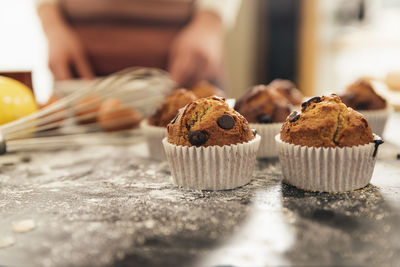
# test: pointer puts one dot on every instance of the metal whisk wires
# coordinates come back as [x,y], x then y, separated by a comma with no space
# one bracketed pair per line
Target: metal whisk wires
[136,89]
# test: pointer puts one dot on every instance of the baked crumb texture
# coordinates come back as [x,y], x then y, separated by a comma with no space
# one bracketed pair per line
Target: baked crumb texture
[208,122]
[326,122]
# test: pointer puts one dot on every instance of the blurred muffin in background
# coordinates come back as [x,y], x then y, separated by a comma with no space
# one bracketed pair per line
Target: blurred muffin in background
[289,90]
[170,107]
[362,96]
[205,89]
[113,115]
[86,109]
[263,104]
[265,109]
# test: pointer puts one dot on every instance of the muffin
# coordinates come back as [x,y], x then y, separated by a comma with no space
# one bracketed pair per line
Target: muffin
[155,127]
[205,89]
[327,147]
[262,104]
[288,90]
[170,107]
[362,97]
[115,116]
[210,146]
[86,109]
[266,109]
[326,122]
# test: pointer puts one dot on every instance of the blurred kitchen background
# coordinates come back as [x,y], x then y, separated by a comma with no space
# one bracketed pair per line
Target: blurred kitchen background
[322,45]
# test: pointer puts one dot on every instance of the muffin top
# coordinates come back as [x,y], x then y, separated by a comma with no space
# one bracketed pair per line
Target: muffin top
[206,89]
[288,90]
[326,122]
[263,104]
[170,107]
[208,122]
[360,95]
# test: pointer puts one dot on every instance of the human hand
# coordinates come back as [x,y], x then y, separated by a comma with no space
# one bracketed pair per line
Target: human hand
[196,53]
[66,53]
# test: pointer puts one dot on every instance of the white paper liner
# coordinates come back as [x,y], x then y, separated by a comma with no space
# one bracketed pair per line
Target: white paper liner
[377,119]
[326,169]
[154,136]
[267,132]
[213,167]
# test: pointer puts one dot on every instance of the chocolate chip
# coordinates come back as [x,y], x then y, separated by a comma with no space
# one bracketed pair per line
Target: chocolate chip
[315,99]
[294,116]
[174,119]
[254,132]
[377,142]
[198,138]
[226,122]
[361,106]
[398,156]
[264,118]
[287,89]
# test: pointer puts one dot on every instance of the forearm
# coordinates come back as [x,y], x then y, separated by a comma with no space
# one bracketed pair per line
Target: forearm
[207,20]
[51,17]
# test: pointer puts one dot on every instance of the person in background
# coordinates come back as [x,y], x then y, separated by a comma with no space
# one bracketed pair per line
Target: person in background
[88,38]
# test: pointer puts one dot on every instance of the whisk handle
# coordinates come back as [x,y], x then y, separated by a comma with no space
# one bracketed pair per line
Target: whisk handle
[3,147]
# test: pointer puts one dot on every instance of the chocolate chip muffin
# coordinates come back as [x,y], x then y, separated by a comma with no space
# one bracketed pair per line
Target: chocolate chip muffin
[170,107]
[288,90]
[361,95]
[206,89]
[263,104]
[326,122]
[208,122]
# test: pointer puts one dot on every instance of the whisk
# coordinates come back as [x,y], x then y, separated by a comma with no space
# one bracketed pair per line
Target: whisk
[138,91]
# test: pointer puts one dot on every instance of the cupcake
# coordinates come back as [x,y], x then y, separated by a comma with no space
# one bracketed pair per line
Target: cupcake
[266,110]
[362,97]
[210,146]
[288,90]
[205,89]
[327,147]
[155,127]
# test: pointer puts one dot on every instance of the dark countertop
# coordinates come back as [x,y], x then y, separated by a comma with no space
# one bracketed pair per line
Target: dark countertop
[111,205]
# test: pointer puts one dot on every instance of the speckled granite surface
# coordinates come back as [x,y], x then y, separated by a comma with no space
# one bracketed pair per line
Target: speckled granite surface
[110,205]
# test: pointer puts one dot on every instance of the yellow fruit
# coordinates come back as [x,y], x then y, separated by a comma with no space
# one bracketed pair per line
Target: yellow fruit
[16,100]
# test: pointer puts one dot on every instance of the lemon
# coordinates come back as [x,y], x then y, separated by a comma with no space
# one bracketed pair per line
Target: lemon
[16,100]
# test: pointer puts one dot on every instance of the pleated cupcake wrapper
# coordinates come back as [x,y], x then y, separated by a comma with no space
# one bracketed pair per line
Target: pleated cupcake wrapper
[377,119]
[267,132]
[213,167]
[326,169]
[154,136]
